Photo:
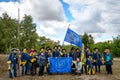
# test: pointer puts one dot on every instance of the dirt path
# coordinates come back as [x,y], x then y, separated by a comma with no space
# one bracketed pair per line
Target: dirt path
[97,76]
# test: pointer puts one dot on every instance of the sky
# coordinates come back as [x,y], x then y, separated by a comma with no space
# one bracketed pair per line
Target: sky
[101,18]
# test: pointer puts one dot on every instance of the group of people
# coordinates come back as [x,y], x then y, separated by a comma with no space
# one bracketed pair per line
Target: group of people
[83,60]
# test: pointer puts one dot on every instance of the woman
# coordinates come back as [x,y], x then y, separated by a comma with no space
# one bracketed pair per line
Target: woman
[41,62]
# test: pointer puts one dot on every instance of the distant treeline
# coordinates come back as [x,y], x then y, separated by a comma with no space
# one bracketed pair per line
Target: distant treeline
[30,39]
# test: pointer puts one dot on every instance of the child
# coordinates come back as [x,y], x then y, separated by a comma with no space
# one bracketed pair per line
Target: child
[108,61]
[90,65]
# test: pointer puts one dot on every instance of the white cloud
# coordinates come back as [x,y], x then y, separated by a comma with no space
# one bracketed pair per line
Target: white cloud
[98,17]
[48,14]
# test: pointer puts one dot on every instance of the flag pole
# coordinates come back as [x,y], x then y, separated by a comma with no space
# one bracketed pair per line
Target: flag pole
[63,40]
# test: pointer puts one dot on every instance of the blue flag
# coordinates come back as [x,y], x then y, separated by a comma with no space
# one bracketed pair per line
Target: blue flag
[73,38]
[60,65]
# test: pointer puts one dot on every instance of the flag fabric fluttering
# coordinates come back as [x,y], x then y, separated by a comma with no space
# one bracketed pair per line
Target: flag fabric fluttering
[73,38]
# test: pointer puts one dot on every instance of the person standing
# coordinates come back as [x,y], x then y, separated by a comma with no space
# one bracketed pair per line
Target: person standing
[56,52]
[64,53]
[50,54]
[41,62]
[83,60]
[97,57]
[13,61]
[24,61]
[108,61]
[73,54]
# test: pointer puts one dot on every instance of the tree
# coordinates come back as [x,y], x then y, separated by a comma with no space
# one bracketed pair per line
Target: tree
[87,40]
[115,46]
[8,32]
[28,32]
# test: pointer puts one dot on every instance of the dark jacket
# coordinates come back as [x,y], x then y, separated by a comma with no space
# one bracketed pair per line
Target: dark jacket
[73,55]
[42,60]
[97,58]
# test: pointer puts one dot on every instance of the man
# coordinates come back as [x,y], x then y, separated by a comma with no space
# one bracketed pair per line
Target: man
[78,66]
[88,52]
[56,52]
[24,61]
[97,57]
[108,61]
[78,53]
[73,54]
[64,53]
[13,61]
[50,54]
[60,52]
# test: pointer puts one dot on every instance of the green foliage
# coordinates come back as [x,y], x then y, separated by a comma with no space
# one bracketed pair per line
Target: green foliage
[28,32]
[87,40]
[45,42]
[8,33]
[101,46]
[28,36]
[115,46]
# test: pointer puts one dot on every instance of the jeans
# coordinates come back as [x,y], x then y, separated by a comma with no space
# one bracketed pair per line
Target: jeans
[13,68]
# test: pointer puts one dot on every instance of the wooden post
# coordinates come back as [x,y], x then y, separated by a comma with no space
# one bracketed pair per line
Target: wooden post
[18,42]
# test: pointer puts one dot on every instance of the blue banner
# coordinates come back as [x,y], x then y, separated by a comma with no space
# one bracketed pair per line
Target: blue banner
[73,38]
[9,0]
[60,65]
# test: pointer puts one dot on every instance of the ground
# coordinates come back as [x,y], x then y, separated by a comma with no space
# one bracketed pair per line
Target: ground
[97,76]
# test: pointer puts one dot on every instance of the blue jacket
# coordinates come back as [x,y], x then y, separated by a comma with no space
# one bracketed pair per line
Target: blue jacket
[24,57]
[89,63]
[42,60]
[13,58]
[108,59]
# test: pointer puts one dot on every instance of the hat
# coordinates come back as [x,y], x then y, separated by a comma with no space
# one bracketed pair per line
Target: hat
[14,49]
[31,51]
[96,48]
